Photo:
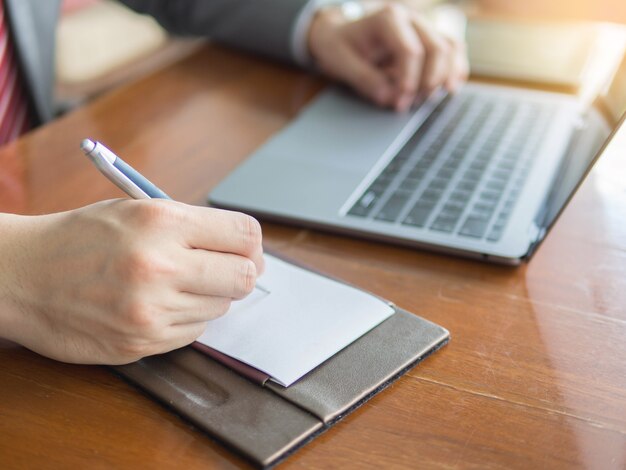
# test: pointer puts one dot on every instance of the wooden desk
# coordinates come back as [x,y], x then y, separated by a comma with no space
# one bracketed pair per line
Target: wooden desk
[535,374]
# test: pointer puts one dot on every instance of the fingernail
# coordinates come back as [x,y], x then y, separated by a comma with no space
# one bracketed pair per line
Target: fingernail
[452,85]
[404,103]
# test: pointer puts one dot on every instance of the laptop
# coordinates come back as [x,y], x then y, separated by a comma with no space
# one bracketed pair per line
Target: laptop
[483,173]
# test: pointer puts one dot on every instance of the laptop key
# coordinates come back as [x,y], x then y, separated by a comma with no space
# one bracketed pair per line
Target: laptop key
[366,203]
[417,173]
[391,209]
[472,175]
[461,195]
[474,227]
[358,210]
[418,215]
[489,196]
[438,183]
[444,224]
[501,175]
[466,185]
[454,206]
[478,165]
[409,184]
[495,185]
[506,165]
[431,196]
[445,174]
[482,211]
[496,233]
[508,205]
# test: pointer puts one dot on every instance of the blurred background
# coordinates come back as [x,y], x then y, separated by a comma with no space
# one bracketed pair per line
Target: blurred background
[102,44]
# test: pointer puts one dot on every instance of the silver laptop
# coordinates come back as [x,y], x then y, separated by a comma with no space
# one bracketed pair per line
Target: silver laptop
[483,173]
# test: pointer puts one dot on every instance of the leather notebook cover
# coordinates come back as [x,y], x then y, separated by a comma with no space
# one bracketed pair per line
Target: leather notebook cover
[266,422]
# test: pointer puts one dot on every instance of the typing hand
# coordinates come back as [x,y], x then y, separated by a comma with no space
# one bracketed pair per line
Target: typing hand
[390,55]
[119,280]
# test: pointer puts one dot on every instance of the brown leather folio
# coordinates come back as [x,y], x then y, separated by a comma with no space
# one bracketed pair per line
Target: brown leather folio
[266,422]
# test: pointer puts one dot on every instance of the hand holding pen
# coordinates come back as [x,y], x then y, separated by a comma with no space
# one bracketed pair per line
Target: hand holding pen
[119,280]
[126,177]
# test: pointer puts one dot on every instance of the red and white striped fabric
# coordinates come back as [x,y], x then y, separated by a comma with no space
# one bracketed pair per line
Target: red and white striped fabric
[14,109]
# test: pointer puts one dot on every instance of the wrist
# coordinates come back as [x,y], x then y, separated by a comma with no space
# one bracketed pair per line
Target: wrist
[14,229]
[334,15]
[323,21]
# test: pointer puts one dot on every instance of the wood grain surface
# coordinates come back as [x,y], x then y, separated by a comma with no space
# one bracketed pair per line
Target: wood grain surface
[535,373]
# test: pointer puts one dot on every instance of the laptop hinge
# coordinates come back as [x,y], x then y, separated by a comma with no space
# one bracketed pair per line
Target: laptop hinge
[535,234]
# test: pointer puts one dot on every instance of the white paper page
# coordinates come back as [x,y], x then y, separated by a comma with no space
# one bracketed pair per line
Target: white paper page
[304,321]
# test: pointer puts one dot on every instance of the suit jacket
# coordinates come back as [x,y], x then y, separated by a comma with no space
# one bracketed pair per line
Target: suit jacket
[261,26]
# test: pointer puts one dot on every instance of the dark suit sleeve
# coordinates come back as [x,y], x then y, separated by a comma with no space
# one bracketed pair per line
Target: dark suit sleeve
[260,26]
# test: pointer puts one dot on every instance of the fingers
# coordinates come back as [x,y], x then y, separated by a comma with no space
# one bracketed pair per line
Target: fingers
[445,59]
[436,59]
[201,228]
[348,66]
[391,56]
[459,66]
[216,274]
[194,308]
[397,33]
[120,280]
[176,337]
[418,60]
[225,231]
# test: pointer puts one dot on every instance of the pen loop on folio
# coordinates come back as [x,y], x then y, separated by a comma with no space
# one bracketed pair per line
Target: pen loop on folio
[126,177]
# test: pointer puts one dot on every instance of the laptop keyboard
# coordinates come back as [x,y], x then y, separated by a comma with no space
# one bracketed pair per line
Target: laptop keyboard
[462,171]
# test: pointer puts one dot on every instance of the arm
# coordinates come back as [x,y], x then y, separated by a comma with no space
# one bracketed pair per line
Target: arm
[389,54]
[261,26]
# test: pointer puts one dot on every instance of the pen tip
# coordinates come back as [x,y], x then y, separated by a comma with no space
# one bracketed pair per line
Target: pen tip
[87,145]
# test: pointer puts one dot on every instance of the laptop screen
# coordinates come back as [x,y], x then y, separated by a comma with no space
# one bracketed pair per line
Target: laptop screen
[591,139]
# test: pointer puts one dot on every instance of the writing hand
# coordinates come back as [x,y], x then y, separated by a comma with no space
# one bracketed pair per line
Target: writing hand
[119,280]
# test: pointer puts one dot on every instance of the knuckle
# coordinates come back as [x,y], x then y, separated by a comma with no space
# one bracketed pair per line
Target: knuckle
[245,278]
[137,266]
[251,237]
[140,266]
[155,213]
[412,48]
[393,10]
[141,318]
[441,48]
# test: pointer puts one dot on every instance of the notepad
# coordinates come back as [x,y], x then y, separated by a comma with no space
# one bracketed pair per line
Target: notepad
[304,320]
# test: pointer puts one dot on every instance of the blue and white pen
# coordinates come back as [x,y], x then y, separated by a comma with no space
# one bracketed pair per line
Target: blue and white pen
[121,173]
[125,176]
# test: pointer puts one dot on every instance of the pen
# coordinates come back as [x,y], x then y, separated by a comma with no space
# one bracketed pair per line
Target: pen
[125,176]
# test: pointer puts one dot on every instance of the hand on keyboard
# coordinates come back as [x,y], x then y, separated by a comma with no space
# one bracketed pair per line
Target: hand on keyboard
[390,54]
